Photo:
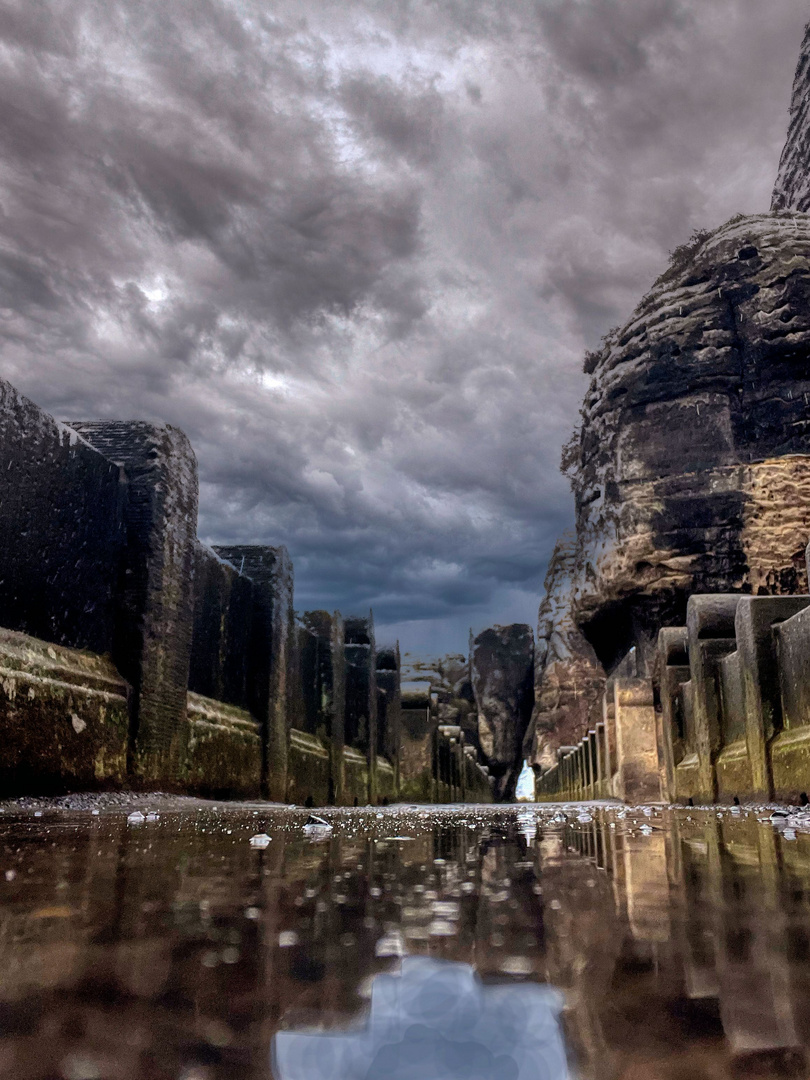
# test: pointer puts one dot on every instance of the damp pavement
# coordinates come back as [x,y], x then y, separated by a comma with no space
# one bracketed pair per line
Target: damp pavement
[152,937]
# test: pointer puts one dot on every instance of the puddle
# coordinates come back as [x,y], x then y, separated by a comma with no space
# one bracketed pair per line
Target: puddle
[598,942]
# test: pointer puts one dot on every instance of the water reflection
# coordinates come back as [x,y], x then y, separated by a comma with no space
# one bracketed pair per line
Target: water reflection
[679,940]
[436,1020]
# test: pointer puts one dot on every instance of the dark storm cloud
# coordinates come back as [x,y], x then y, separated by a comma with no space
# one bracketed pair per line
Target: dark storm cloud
[357,251]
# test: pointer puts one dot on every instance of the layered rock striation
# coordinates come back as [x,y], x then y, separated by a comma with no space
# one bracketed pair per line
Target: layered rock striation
[502,665]
[792,189]
[693,474]
[569,680]
[693,466]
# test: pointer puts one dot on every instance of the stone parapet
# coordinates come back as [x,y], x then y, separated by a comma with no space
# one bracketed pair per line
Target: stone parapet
[133,655]
[361,694]
[154,629]
[270,569]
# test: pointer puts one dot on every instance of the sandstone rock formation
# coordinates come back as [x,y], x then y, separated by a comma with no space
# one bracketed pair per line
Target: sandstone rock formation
[693,473]
[502,678]
[450,679]
[568,678]
[792,190]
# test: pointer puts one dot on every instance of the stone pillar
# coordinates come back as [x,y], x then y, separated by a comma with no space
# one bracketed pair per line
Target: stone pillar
[600,762]
[155,621]
[594,757]
[756,644]
[672,671]
[271,571]
[636,745]
[388,708]
[416,743]
[361,694]
[609,720]
[790,750]
[324,678]
[711,635]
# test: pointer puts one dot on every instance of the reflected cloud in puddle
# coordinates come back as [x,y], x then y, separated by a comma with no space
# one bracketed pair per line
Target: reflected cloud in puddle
[436,1020]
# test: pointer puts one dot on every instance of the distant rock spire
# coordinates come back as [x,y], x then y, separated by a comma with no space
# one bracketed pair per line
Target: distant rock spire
[792,190]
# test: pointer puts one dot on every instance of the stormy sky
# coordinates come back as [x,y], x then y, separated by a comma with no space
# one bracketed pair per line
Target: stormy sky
[356,250]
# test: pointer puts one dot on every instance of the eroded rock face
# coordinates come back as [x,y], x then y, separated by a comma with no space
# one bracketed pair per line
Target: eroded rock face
[502,677]
[693,474]
[450,680]
[568,679]
[792,190]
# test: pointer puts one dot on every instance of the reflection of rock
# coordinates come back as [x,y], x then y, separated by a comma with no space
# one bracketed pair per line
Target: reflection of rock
[568,679]
[502,675]
[436,1021]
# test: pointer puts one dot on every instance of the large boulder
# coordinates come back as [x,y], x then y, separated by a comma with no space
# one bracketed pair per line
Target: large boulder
[693,474]
[503,677]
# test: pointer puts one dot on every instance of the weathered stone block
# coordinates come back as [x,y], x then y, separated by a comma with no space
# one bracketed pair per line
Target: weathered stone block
[271,572]
[309,773]
[223,614]
[756,643]
[355,768]
[224,750]
[388,709]
[636,744]
[732,764]
[671,672]
[416,744]
[793,657]
[361,694]
[711,632]
[62,529]
[64,718]
[155,623]
[323,667]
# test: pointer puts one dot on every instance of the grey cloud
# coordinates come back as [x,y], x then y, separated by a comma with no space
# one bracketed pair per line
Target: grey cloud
[407,123]
[357,251]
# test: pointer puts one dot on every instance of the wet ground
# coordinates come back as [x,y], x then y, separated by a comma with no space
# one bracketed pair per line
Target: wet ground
[174,947]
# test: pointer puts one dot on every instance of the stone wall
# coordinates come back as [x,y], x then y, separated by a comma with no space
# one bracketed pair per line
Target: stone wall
[271,630]
[64,718]
[133,655]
